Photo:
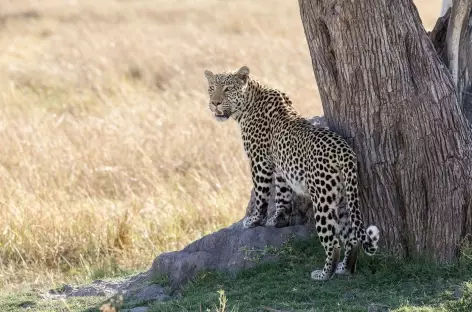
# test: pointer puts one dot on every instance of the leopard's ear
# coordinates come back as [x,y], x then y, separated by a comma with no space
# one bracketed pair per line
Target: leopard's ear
[208,74]
[243,73]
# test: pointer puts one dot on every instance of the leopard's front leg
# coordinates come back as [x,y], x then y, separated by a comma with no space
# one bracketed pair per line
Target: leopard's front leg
[261,178]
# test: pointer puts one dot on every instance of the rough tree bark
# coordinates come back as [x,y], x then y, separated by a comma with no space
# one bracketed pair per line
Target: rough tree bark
[384,88]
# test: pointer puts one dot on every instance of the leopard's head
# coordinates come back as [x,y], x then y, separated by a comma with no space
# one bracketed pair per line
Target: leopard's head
[227,92]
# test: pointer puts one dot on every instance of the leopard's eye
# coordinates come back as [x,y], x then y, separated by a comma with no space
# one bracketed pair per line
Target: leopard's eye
[210,89]
[227,88]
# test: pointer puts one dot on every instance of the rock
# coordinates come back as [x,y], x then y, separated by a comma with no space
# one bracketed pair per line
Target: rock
[319,121]
[225,250]
[458,292]
[152,292]
[136,287]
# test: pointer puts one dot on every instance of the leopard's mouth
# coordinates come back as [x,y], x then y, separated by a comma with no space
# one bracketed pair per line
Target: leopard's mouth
[221,117]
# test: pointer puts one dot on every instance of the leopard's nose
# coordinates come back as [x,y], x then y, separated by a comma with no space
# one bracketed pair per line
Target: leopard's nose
[216,103]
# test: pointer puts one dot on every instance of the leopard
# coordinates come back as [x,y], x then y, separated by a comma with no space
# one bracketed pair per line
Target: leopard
[303,159]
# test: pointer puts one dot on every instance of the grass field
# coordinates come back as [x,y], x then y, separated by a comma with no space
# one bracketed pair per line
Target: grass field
[109,155]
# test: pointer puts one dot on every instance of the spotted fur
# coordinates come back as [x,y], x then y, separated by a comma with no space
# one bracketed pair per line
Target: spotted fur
[311,161]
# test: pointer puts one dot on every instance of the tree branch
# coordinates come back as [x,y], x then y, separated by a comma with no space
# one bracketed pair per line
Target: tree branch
[459,18]
[438,35]
[446,4]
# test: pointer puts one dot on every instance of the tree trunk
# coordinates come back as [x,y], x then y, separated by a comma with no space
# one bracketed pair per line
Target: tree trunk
[384,89]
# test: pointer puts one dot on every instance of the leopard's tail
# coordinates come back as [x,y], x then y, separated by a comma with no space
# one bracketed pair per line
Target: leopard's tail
[369,237]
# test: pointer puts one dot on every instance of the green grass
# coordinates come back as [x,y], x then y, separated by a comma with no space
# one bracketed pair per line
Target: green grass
[31,301]
[286,286]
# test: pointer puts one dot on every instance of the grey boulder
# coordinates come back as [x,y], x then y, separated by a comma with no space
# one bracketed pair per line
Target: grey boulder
[225,250]
[137,287]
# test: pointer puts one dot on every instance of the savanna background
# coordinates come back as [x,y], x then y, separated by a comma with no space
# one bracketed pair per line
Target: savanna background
[109,155]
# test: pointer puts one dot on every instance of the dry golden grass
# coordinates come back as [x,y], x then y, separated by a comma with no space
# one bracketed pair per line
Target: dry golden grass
[108,153]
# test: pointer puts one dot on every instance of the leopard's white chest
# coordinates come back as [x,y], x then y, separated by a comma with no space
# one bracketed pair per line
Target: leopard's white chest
[296,183]
[298,187]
